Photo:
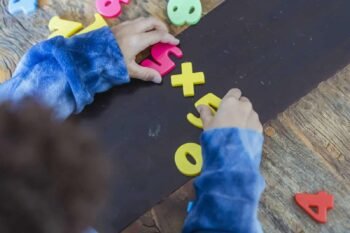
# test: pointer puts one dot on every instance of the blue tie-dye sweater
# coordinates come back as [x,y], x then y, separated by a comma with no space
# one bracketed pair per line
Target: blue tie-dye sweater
[65,74]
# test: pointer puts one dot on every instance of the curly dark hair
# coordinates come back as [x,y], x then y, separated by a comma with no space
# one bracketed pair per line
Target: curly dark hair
[52,175]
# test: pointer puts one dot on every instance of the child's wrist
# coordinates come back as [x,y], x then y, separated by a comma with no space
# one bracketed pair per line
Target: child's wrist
[231,146]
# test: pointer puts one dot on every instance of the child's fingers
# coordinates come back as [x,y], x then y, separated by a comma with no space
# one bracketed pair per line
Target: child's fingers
[144,73]
[254,122]
[233,93]
[150,38]
[206,115]
[148,24]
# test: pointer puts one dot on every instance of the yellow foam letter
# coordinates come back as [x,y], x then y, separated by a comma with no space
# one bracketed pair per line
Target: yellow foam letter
[187,80]
[61,27]
[99,23]
[186,167]
[210,100]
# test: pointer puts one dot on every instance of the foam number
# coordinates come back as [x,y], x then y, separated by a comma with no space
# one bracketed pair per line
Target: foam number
[27,6]
[61,27]
[162,62]
[187,79]
[322,201]
[99,23]
[185,166]
[181,12]
[110,8]
[210,100]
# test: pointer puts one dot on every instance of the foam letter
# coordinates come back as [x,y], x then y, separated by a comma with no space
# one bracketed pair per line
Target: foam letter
[99,23]
[61,27]
[27,6]
[186,167]
[182,12]
[110,8]
[187,79]
[162,62]
[210,100]
[322,201]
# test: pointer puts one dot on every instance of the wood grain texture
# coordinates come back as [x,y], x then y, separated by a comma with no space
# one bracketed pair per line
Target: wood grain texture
[18,33]
[307,149]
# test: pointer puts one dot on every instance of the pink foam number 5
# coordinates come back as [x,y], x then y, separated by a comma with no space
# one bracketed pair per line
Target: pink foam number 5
[162,62]
[110,8]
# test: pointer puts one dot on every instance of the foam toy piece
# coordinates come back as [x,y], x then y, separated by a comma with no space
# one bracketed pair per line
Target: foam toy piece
[210,100]
[322,201]
[99,23]
[61,27]
[181,12]
[183,164]
[110,8]
[162,62]
[190,206]
[187,79]
[26,6]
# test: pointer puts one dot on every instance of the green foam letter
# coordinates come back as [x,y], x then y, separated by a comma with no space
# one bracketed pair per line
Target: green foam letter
[181,12]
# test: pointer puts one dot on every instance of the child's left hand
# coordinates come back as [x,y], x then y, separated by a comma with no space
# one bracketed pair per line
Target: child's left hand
[137,35]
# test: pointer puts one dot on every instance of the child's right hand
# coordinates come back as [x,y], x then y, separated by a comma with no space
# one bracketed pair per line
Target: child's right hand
[234,111]
[137,35]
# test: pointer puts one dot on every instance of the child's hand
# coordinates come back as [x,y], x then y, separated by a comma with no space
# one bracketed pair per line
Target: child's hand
[137,35]
[234,111]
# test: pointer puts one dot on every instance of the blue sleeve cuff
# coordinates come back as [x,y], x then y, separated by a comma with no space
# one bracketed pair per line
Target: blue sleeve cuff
[65,74]
[92,62]
[227,147]
[104,47]
[230,186]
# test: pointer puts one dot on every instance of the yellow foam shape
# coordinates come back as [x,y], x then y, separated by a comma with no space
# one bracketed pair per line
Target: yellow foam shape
[98,23]
[183,165]
[187,79]
[61,27]
[210,100]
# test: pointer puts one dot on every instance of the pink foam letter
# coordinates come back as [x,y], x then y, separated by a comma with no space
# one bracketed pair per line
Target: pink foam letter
[162,62]
[110,8]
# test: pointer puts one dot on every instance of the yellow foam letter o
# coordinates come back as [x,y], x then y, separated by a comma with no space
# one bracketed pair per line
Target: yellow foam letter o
[183,164]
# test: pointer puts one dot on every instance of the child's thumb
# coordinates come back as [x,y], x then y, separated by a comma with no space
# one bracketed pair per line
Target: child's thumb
[144,73]
[206,115]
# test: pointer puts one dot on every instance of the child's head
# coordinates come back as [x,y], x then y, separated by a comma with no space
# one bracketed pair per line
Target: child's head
[52,177]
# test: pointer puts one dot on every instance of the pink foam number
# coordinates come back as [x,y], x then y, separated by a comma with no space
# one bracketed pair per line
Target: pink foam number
[162,62]
[110,8]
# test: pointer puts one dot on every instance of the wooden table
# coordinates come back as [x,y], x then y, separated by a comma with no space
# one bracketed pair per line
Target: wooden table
[307,147]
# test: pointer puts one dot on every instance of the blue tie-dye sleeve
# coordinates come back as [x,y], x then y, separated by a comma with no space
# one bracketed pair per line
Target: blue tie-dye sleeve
[65,74]
[229,188]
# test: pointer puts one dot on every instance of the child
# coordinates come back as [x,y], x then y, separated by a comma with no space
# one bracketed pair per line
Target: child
[52,176]
[65,74]
[230,186]
[54,179]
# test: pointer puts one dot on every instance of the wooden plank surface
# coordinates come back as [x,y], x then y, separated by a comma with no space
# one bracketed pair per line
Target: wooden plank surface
[20,32]
[307,149]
